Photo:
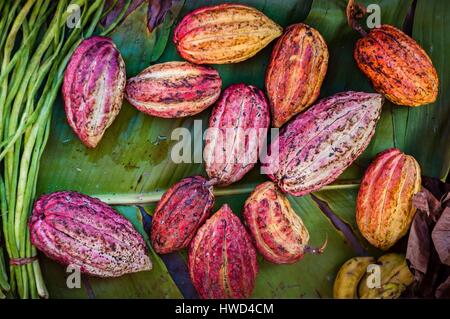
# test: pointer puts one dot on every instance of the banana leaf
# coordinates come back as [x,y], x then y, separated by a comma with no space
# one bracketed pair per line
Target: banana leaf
[133,164]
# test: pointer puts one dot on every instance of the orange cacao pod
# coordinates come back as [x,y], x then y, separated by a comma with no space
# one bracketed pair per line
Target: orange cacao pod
[296,71]
[226,33]
[278,232]
[384,209]
[397,66]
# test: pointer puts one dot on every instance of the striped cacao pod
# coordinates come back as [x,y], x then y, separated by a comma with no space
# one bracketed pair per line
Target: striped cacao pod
[319,144]
[75,229]
[239,121]
[278,232]
[180,212]
[384,209]
[222,260]
[397,66]
[226,33]
[174,89]
[296,71]
[93,88]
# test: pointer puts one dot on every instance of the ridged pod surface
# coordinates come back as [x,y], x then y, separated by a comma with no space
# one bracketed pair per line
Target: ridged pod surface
[93,88]
[174,89]
[384,209]
[75,229]
[237,124]
[397,66]
[226,33]
[180,212]
[278,232]
[296,71]
[222,260]
[320,143]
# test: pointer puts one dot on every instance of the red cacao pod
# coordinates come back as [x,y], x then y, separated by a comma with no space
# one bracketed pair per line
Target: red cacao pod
[222,260]
[180,212]
[93,88]
[174,89]
[238,123]
[75,229]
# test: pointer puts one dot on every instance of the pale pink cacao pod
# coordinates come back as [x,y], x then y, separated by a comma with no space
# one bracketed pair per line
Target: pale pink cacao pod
[93,88]
[384,209]
[75,229]
[320,143]
[180,212]
[237,126]
[296,71]
[174,89]
[222,260]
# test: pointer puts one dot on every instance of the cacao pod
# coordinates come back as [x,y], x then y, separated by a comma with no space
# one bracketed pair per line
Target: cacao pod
[174,89]
[237,125]
[296,71]
[226,33]
[384,209]
[397,66]
[222,260]
[278,232]
[180,212]
[93,88]
[75,229]
[319,144]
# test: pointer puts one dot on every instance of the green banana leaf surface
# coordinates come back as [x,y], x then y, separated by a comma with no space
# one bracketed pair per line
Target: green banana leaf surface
[133,159]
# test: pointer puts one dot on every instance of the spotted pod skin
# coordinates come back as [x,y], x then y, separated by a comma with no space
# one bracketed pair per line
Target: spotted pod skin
[278,232]
[93,88]
[174,89]
[397,66]
[320,143]
[222,260]
[226,33]
[296,71]
[180,212]
[384,209]
[231,148]
[75,229]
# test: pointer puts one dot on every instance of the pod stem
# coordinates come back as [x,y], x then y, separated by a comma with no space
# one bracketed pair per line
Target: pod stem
[354,12]
[317,250]
[212,182]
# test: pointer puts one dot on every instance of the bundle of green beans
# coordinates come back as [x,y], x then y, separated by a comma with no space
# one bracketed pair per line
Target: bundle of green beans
[35,46]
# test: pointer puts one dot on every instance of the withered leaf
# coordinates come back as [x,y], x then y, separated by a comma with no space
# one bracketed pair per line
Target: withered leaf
[418,250]
[114,13]
[157,10]
[441,237]
[428,251]
[443,291]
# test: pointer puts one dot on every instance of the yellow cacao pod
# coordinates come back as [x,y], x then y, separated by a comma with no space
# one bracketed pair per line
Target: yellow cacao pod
[384,209]
[226,33]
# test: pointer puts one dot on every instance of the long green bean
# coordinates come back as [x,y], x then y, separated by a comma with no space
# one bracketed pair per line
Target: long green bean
[31,73]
